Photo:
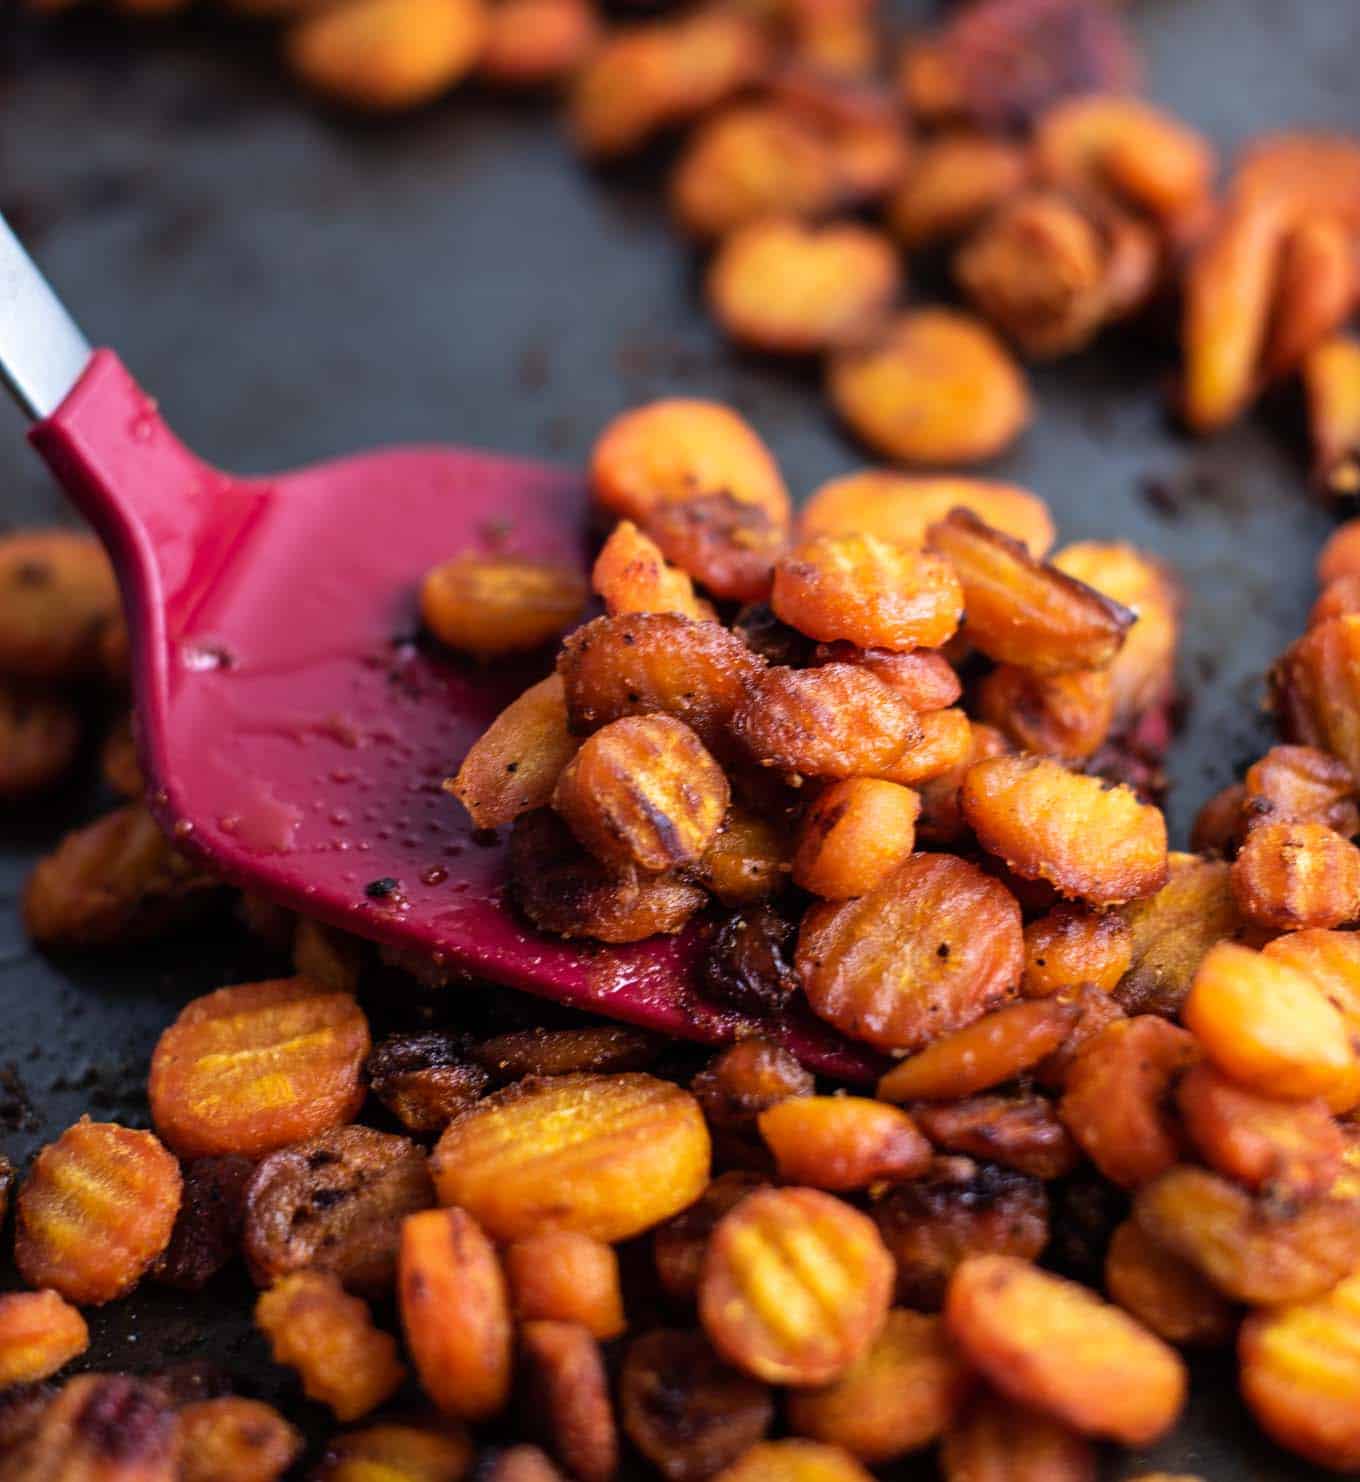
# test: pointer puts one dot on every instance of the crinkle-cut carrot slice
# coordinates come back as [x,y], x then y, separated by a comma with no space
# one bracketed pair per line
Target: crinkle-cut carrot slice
[795,1286]
[1053,1344]
[606,1155]
[255,1067]
[95,1211]
[316,1327]
[39,1333]
[1088,838]
[928,951]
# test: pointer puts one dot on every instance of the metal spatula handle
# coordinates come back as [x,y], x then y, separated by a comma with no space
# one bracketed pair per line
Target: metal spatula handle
[42,353]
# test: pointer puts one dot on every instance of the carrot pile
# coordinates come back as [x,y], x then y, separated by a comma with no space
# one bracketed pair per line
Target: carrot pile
[895,756]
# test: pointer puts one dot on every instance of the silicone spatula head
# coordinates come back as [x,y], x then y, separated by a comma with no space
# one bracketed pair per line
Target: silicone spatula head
[294,730]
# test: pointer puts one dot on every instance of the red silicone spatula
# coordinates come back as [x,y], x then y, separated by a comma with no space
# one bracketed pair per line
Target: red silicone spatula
[294,731]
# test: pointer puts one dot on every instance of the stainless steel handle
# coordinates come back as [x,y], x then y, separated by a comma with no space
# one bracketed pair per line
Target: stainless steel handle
[42,353]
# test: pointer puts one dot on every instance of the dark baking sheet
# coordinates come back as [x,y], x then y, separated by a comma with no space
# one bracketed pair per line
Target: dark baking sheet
[292,286]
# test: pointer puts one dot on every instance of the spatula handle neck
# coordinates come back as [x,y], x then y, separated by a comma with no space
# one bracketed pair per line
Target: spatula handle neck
[42,353]
[147,496]
[143,491]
